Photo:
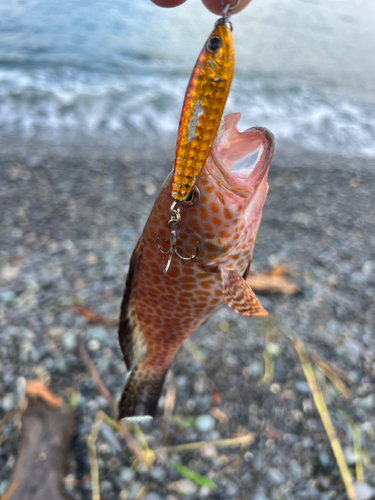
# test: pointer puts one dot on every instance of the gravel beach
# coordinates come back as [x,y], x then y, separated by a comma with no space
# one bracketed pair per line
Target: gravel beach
[68,226]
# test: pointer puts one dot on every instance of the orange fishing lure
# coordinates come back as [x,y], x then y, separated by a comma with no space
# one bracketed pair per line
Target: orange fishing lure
[202,109]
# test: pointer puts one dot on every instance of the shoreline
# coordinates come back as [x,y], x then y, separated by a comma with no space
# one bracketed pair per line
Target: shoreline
[68,228]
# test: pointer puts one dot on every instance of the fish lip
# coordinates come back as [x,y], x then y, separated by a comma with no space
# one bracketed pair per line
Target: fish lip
[244,182]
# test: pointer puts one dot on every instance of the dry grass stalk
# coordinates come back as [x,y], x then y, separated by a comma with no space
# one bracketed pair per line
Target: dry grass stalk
[325,418]
[335,375]
[91,442]
[240,441]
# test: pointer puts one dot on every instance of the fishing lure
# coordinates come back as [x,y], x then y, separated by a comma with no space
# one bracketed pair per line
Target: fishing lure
[202,110]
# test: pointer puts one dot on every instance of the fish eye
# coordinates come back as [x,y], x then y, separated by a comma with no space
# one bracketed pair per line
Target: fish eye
[193,197]
[213,44]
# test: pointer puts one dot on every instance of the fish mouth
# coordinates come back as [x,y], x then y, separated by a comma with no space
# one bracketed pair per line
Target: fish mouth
[241,159]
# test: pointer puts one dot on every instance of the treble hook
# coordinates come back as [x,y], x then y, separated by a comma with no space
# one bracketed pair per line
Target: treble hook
[173,225]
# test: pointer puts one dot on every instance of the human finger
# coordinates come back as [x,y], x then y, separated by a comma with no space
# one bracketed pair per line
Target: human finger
[168,3]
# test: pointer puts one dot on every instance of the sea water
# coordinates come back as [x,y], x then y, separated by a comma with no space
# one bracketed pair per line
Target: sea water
[113,74]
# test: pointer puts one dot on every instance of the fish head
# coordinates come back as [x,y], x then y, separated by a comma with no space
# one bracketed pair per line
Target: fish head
[218,55]
[223,213]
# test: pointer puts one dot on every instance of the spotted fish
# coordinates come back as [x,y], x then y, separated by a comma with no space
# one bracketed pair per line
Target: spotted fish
[222,213]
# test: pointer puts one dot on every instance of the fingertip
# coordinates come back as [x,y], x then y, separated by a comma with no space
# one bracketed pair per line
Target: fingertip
[168,3]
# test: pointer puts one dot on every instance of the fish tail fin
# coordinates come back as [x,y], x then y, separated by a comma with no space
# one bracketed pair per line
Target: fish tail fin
[142,391]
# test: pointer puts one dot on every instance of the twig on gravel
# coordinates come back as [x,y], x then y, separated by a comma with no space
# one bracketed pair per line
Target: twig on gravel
[92,371]
[325,418]
[12,488]
[92,317]
[170,399]
[219,415]
[274,281]
[122,428]
[241,441]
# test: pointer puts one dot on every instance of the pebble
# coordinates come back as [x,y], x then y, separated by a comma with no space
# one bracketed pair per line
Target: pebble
[185,487]
[363,491]
[302,387]
[366,403]
[152,496]
[255,369]
[134,487]
[7,296]
[352,351]
[205,423]
[126,474]
[275,476]
[93,345]
[97,333]
[7,402]
[323,458]
[69,340]
[158,473]
[273,349]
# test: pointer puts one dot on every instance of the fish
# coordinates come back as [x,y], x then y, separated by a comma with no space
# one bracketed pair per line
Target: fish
[223,212]
[202,109]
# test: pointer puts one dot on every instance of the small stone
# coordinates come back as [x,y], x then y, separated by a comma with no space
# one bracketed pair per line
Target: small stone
[93,345]
[367,269]
[352,351]
[158,473]
[69,340]
[92,259]
[185,487]
[255,369]
[275,476]
[126,474]
[56,332]
[367,403]
[231,489]
[204,492]
[3,487]
[7,296]
[275,388]
[134,487]
[323,458]
[363,491]
[7,402]
[349,455]
[205,423]
[273,349]
[150,189]
[152,496]
[97,333]
[302,387]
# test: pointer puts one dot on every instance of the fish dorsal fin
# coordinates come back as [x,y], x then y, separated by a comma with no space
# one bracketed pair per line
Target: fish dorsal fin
[238,295]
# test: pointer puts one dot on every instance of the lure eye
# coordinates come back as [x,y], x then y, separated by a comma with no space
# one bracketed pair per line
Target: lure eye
[192,198]
[213,44]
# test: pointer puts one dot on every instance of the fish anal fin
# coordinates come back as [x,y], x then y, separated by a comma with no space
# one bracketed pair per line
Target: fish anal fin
[238,295]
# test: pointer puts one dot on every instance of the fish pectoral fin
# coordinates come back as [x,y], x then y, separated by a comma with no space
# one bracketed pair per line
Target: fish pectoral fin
[238,295]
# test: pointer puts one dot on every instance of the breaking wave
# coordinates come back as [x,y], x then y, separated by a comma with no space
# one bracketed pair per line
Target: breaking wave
[135,111]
